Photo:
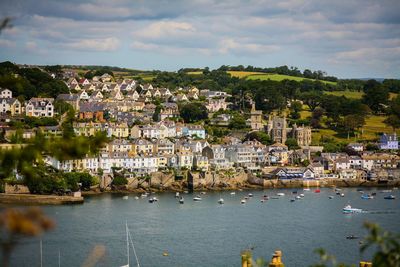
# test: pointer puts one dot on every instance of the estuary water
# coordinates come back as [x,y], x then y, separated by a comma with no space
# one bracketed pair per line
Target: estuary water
[205,233]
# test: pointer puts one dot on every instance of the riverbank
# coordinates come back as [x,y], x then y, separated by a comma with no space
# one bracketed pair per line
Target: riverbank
[254,183]
[30,199]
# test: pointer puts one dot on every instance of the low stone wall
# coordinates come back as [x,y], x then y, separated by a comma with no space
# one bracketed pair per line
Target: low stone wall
[28,199]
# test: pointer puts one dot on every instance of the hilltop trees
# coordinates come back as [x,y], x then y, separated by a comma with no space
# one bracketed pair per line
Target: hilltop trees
[29,82]
[375,95]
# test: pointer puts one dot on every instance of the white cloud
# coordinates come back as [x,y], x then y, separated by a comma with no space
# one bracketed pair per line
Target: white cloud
[101,45]
[165,29]
[231,46]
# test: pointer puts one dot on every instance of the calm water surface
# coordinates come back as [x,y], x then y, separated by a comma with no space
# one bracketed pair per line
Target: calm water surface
[208,234]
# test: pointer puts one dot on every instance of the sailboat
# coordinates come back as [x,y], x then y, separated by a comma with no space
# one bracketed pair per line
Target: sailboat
[129,238]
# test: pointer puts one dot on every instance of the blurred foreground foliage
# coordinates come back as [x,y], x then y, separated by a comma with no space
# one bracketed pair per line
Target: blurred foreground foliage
[28,161]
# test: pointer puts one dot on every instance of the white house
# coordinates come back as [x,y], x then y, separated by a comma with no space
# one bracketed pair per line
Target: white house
[40,107]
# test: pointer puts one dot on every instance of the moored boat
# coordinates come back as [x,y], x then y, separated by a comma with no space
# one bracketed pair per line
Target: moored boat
[125,197]
[177,194]
[364,196]
[390,197]
[250,195]
[243,201]
[301,195]
[306,189]
[349,209]
[298,197]
[221,201]
[331,197]
[181,200]
[317,191]
[280,194]
[197,198]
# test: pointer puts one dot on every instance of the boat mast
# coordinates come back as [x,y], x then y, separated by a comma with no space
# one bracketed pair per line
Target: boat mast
[41,254]
[127,241]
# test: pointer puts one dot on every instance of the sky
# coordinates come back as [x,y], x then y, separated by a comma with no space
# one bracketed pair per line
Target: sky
[345,38]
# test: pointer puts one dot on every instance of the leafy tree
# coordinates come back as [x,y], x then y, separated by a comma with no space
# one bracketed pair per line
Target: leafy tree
[237,122]
[295,108]
[311,99]
[292,143]
[262,137]
[375,95]
[193,112]
[353,122]
[119,181]
[316,117]
[394,110]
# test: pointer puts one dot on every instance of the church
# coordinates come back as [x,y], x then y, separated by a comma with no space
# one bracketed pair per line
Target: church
[279,132]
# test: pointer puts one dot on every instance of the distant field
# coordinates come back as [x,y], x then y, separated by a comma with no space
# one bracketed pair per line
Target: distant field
[348,94]
[194,72]
[280,77]
[354,94]
[374,125]
[242,74]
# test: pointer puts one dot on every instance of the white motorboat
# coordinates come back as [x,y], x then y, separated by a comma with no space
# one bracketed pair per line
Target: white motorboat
[298,197]
[280,194]
[197,198]
[243,201]
[181,200]
[136,197]
[262,200]
[177,194]
[301,195]
[349,209]
[342,195]
[306,189]
[221,201]
[125,197]
[250,195]
[233,193]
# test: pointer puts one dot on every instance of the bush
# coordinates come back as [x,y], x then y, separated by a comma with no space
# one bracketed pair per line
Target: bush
[119,180]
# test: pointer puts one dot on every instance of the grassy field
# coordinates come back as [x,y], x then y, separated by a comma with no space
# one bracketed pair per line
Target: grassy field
[280,77]
[348,94]
[243,74]
[374,125]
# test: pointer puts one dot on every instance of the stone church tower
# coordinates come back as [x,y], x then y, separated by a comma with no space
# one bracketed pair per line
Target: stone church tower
[256,122]
[279,131]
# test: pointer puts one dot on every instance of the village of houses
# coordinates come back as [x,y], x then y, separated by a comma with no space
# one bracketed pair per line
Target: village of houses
[101,104]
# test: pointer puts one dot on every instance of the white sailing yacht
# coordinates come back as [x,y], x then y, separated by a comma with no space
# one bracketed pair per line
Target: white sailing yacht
[129,238]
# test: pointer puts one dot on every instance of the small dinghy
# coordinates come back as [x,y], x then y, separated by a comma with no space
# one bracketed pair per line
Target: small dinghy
[243,201]
[197,198]
[351,237]
[390,197]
